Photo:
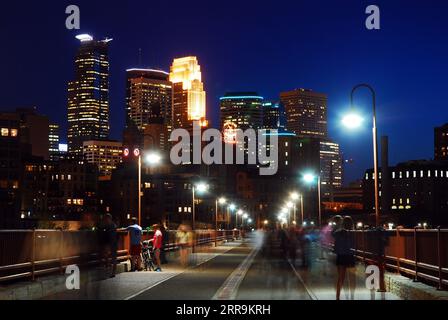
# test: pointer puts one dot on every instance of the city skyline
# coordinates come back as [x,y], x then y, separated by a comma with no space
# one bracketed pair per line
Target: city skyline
[283,70]
[274,152]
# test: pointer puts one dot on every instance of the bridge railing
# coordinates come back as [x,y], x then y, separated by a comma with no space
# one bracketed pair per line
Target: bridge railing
[420,254]
[27,254]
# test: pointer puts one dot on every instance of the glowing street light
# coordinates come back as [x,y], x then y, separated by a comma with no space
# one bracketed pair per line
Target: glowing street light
[153,159]
[294,196]
[352,121]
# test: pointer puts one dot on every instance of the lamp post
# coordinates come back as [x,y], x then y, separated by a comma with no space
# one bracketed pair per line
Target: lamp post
[239,213]
[200,187]
[221,201]
[309,178]
[352,121]
[294,197]
[152,159]
[232,208]
[302,212]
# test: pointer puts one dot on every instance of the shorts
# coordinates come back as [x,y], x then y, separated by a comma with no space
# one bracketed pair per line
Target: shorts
[136,249]
[345,260]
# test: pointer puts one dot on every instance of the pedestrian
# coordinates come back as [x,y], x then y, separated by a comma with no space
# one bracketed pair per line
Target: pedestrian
[109,241]
[293,241]
[165,239]
[157,245]
[135,233]
[283,237]
[345,258]
[183,243]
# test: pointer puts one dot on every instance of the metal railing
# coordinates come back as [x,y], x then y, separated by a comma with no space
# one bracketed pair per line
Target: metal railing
[420,254]
[27,254]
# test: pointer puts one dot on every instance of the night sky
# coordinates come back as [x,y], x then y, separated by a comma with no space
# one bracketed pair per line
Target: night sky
[266,47]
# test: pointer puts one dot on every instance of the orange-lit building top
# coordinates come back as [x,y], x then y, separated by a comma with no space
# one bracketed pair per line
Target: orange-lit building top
[188,92]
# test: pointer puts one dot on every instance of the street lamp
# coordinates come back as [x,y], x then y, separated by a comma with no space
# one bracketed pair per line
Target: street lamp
[197,188]
[201,188]
[295,197]
[152,159]
[353,121]
[222,201]
[310,178]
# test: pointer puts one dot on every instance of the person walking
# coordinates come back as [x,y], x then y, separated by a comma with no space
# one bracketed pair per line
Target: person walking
[345,259]
[135,233]
[183,242]
[157,242]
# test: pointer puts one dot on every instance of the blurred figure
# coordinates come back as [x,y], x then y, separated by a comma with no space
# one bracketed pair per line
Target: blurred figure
[293,241]
[183,241]
[135,232]
[109,243]
[165,240]
[337,223]
[345,259]
[157,246]
[304,238]
[283,237]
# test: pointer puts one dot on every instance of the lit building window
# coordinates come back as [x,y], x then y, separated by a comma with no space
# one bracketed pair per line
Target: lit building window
[14,132]
[5,132]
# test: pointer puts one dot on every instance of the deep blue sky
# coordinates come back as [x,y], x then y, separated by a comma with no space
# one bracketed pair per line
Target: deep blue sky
[266,47]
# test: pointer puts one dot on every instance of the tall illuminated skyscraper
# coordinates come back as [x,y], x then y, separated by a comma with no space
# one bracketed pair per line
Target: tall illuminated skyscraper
[241,110]
[306,112]
[330,167]
[53,138]
[88,94]
[188,93]
[148,97]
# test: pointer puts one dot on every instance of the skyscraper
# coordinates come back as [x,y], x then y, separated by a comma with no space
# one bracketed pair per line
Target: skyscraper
[148,97]
[306,112]
[330,168]
[241,110]
[88,94]
[274,116]
[441,142]
[53,138]
[106,154]
[188,93]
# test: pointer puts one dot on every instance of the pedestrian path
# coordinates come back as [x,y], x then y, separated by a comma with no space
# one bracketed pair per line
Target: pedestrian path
[320,277]
[127,285]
